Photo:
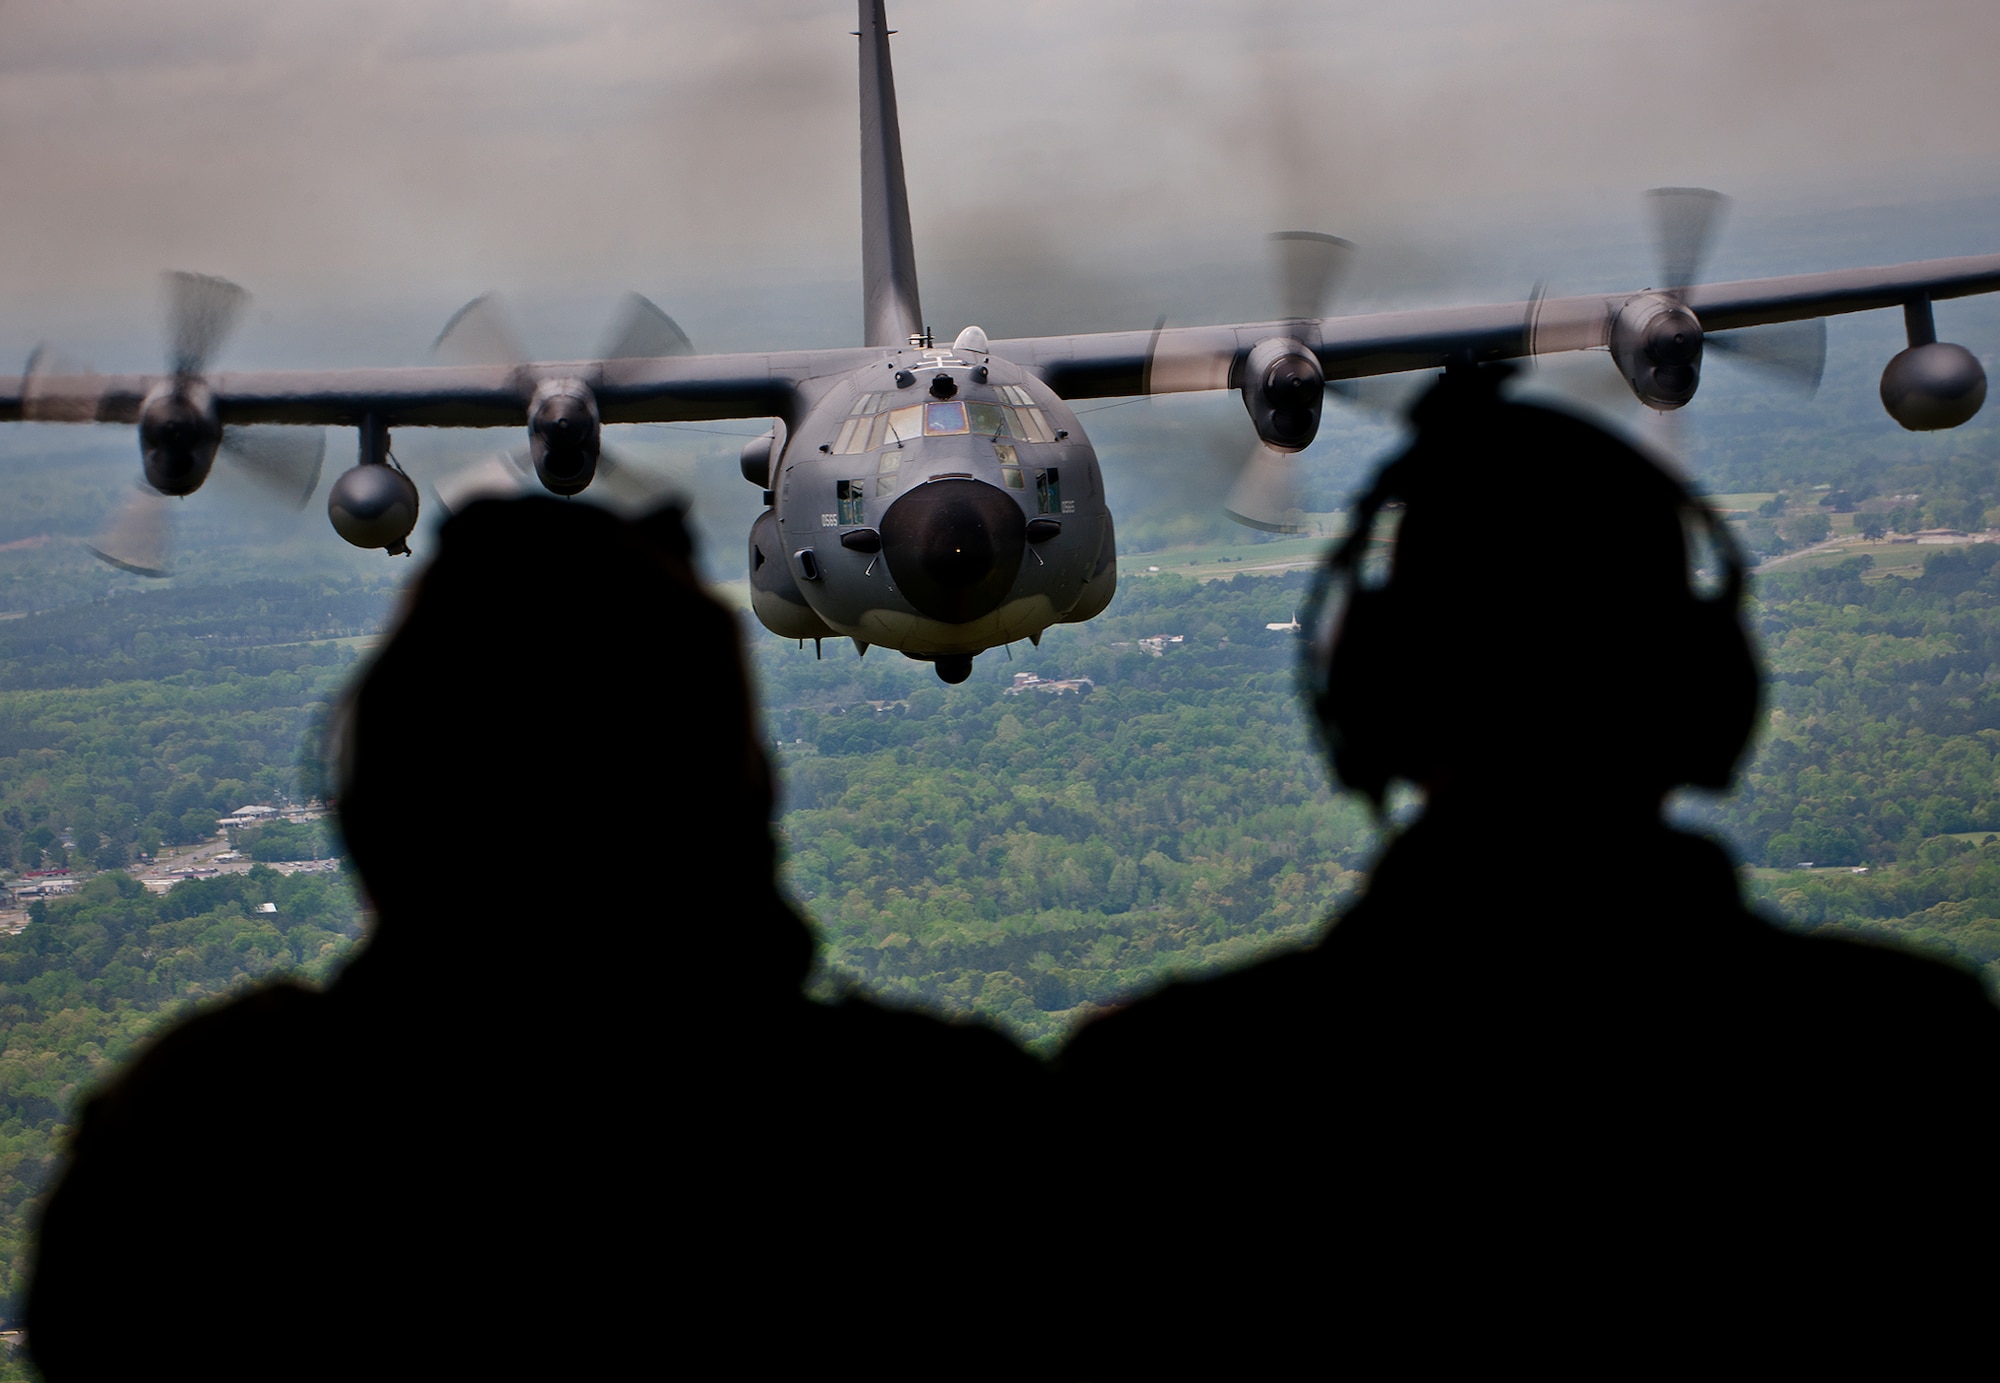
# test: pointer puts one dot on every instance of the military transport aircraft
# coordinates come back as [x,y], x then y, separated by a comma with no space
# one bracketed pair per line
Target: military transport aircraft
[942,499]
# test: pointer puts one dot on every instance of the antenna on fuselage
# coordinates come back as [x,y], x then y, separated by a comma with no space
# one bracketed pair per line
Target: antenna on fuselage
[889,309]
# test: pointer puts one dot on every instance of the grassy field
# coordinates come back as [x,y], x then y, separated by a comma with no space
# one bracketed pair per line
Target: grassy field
[1733,505]
[1207,562]
[1219,561]
[1767,874]
[1891,559]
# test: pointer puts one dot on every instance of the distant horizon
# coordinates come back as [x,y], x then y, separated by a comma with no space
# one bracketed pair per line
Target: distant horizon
[364,169]
[362,155]
[1187,273]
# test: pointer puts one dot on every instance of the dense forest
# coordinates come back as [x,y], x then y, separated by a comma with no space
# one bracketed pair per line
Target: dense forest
[133,723]
[1027,854]
[94,974]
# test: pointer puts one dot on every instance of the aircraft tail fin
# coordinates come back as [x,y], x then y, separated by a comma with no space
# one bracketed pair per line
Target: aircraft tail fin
[888,254]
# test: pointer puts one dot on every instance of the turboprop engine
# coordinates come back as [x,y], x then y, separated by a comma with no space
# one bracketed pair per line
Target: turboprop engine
[564,435]
[1283,391]
[178,435]
[1656,342]
[1933,384]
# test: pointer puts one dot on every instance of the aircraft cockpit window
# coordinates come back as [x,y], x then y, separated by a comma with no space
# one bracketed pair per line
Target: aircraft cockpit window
[862,431]
[888,475]
[1010,465]
[1048,492]
[988,419]
[901,425]
[853,437]
[1029,424]
[1014,393]
[865,404]
[850,495]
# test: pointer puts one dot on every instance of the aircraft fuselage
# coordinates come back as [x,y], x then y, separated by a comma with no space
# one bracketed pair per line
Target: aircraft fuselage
[941,502]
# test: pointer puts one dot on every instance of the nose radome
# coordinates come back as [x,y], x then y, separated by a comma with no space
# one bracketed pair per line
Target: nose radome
[954,547]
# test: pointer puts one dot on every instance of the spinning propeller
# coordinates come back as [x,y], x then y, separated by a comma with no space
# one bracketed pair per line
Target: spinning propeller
[565,448]
[1657,341]
[1281,383]
[180,435]
[1685,220]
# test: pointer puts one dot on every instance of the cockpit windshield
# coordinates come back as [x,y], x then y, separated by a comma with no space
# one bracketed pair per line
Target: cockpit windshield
[944,419]
[876,421]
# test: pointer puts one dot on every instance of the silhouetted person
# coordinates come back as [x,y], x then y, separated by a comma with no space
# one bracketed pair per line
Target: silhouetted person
[566,1112]
[1548,1074]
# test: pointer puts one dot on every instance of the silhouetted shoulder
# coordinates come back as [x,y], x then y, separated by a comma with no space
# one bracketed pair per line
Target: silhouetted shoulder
[887,1063]
[1218,1034]
[198,1141]
[1855,1012]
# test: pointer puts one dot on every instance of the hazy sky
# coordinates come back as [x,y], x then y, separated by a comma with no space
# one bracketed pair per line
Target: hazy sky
[353,154]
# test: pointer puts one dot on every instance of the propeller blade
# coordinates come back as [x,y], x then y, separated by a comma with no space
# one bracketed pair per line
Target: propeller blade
[1310,268]
[1792,352]
[1266,494]
[200,312]
[1665,434]
[622,481]
[1684,222]
[284,461]
[57,389]
[1586,378]
[137,538]
[1566,355]
[505,476]
[1555,325]
[645,333]
[1186,359]
[1388,395]
[480,333]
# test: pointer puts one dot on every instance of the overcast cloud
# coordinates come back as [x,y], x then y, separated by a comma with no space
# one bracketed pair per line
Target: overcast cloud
[349,155]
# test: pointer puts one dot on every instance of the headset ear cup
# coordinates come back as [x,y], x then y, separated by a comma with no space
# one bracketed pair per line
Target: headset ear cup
[1717,684]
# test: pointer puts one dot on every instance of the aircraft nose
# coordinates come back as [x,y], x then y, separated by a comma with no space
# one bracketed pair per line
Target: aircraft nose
[954,547]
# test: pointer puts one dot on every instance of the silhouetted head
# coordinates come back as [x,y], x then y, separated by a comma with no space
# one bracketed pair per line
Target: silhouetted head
[1528,605]
[559,725]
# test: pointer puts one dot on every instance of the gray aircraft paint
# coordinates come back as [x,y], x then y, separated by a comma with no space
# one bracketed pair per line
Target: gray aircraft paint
[891,313]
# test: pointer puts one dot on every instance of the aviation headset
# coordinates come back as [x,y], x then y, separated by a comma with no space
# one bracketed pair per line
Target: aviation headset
[1423,660]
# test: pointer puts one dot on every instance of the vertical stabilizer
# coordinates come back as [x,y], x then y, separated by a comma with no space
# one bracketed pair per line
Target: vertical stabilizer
[890,312]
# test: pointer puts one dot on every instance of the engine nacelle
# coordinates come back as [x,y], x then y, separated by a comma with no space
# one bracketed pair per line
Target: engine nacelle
[774,594]
[374,506]
[178,435]
[760,455]
[1283,391]
[1933,386]
[1656,343]
[564,435]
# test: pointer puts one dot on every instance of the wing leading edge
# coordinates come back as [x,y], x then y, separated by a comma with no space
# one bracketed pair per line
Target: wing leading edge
[1183,359]
[1096,365]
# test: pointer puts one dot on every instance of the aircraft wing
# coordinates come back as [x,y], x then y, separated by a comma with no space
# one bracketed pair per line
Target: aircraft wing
[1099,365]
[1181,359]
[665,389]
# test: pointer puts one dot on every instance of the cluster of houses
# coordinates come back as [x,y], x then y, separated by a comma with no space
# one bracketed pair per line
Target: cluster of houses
[265,816]
[36,885]
[1028,681]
